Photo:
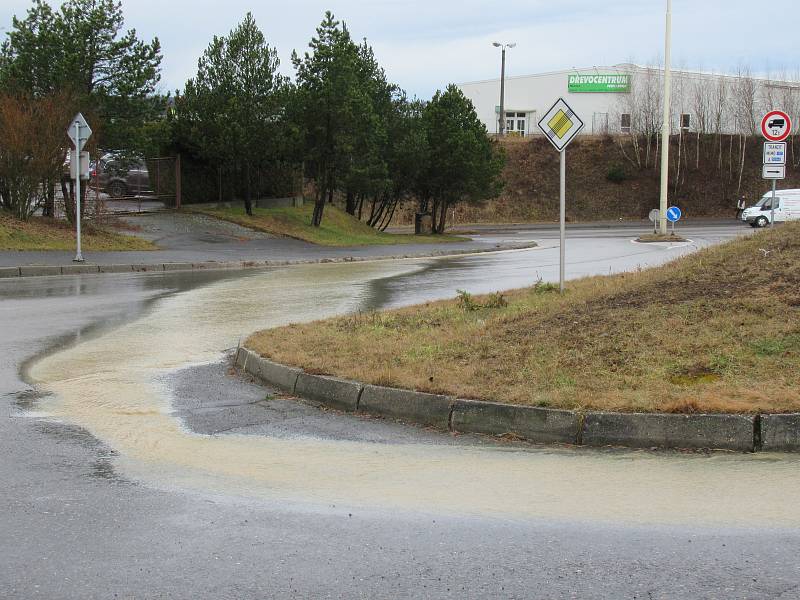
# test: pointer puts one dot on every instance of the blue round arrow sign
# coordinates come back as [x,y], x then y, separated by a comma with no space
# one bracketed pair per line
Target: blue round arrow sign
[674,214]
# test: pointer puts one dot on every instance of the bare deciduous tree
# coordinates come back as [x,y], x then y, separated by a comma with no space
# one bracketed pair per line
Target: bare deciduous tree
[33,146]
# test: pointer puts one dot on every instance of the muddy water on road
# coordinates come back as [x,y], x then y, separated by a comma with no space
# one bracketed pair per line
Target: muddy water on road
[109,386]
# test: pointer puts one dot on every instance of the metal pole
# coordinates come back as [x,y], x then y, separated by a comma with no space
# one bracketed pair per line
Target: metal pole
[78,255]
[666,128]
[503,94]
[772,217]
[563,203]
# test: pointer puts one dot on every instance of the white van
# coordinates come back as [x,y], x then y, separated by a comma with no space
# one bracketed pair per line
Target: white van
[787,208]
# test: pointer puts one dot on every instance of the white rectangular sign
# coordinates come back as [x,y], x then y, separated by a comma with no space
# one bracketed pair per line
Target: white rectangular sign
[774,172]
[774,153]
[74,163]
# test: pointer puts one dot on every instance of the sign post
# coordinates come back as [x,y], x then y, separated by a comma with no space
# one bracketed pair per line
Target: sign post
[776,126]
[674,215]
[560,125]
[78,132]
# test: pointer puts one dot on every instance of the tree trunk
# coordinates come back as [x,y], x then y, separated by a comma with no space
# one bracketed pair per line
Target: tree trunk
[350,203]
[248,198]
[442,218]
[49,208]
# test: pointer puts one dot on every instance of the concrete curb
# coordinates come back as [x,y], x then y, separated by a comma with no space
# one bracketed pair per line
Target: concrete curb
[83,269]
[404,405]
[638,430]
[741,433]
[528,422]
[780,433]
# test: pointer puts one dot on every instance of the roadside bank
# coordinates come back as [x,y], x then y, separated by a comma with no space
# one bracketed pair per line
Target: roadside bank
[741,433]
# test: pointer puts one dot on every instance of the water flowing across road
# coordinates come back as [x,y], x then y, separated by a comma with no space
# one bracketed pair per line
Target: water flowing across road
[112,384]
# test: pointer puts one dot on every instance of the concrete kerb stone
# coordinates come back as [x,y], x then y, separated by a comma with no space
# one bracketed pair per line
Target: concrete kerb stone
[39,271]
[780,433]
[529,422]
[331,391]
[115,268]
[639,430]
[9,272]
[407,405]
[276,374]
[79,269]
[177,266]
[146,268]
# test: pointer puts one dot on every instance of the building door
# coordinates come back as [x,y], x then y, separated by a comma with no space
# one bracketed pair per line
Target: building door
[516,123]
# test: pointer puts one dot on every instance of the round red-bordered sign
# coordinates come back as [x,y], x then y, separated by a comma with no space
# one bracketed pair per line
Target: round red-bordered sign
[776,126]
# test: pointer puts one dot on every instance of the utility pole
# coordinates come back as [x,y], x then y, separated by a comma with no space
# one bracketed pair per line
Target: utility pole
[666,127]
[501,123]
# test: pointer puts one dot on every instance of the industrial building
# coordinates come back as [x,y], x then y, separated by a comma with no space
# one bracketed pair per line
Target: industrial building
[626,98]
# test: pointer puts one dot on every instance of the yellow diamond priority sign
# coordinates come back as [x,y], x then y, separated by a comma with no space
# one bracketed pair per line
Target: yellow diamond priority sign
[560,124]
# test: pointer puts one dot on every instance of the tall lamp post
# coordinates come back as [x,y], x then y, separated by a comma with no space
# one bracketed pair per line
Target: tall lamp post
[666,127]
[501,129]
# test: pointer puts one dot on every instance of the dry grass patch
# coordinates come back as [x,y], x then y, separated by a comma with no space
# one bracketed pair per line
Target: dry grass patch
[718,331]
[39,233]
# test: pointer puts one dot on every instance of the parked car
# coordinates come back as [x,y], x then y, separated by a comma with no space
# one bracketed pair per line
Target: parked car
[787,208]
[121,176]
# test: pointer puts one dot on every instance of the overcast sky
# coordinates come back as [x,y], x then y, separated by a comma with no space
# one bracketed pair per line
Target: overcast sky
[425,44]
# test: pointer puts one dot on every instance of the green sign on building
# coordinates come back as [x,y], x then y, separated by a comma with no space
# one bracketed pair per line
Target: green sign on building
[600,84]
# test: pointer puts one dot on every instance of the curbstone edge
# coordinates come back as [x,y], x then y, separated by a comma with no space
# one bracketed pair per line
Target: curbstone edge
[276,374]
[79,269]
[338,393]
[38,271]
[115,268]
[9,272]
[640,430]
[780,433]
[417,407]
[532,423]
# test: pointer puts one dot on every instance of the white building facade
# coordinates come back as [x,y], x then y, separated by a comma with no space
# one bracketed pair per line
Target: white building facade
[627,98]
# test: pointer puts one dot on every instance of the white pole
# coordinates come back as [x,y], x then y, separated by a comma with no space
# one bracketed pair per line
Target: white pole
[666,127]
[772,216]
[563,203]
[78,256]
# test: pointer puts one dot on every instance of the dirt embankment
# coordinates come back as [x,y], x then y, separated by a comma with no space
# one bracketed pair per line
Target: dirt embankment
[605,183]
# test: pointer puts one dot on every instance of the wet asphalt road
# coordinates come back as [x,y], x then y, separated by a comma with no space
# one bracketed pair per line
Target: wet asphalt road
[71,525]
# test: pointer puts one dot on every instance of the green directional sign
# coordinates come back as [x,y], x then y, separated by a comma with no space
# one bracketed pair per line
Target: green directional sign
[602,83]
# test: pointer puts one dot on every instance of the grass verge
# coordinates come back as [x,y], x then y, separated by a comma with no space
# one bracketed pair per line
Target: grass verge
[717,331]
[337,229]
[659,237]
[47,234]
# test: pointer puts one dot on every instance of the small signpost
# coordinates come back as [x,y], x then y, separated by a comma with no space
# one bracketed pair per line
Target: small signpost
[654,215]
[674,215]
[560,125]
[79,132]
[776,126]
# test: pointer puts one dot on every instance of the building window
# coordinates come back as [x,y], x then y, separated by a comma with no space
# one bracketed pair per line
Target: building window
[516,123]
[625,122]
[686,121]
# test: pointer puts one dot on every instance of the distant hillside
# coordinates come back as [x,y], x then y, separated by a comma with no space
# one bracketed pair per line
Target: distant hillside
[603,184]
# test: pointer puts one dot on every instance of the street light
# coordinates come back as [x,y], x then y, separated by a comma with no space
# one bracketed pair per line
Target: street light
[502,122]
[666,126]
